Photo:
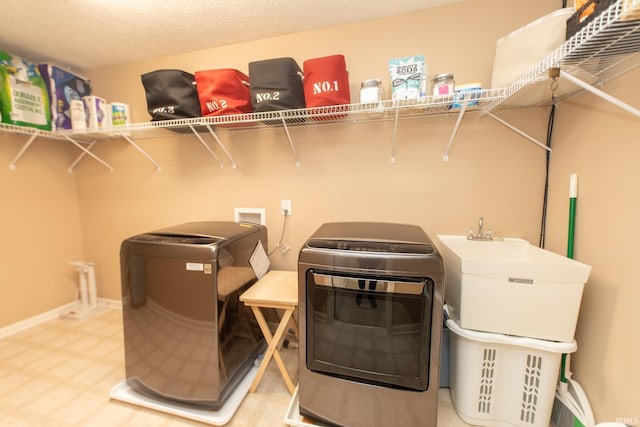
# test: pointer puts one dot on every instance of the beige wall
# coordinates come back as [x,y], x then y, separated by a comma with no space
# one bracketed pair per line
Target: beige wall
[346,173]
[599,142]
[40,228]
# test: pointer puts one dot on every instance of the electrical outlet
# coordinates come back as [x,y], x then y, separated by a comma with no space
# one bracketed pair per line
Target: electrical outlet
[286,206]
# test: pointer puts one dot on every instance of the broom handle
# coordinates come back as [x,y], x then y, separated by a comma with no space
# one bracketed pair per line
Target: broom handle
[573,195]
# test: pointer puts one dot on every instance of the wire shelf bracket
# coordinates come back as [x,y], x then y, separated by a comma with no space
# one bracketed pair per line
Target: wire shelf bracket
[24,148]
[85,151]
[600,93]
[463,108]
[518,131]
[395,136]
[293,148]
[137,147]
[81,156]
[222,147]
[206,146]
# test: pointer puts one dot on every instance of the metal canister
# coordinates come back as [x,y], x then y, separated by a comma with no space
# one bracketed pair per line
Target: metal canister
[371,91]
[443,84]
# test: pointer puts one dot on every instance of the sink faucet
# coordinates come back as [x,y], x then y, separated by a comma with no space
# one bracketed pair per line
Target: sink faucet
[480,235]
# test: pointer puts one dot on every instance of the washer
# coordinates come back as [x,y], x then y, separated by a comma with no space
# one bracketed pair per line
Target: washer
[187,338]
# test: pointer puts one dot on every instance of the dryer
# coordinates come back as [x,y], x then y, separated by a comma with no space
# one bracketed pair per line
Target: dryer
[370,308]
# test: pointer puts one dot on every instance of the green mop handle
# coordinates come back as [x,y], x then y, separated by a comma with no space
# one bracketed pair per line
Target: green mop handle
[572,226]
[573,195]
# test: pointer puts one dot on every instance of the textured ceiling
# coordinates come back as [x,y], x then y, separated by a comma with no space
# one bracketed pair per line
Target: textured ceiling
[85,34]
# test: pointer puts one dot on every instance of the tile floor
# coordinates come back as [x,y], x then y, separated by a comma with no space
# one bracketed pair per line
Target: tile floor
[59,373]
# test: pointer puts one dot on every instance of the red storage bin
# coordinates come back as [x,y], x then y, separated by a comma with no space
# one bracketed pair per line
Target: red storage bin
[223,91]
[326,83]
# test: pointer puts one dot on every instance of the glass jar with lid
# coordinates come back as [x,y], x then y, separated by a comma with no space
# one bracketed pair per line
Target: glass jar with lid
[371,91]
[443,84]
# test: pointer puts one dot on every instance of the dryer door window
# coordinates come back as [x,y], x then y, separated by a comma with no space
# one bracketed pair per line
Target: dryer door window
[369,329]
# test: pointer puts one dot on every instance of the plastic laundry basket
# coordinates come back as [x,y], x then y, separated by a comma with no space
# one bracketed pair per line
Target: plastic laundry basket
[502,380]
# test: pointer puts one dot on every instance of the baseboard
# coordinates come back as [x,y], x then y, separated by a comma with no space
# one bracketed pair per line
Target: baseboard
[112,303]
[46,316]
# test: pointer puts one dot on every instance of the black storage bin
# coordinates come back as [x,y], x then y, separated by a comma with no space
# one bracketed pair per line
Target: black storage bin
[573,23]
[276,84]
[171,94]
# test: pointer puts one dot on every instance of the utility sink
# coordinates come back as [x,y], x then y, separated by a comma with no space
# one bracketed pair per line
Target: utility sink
[512,259]
[512,287]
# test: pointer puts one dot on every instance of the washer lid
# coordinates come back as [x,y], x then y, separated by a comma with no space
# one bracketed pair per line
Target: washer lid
[214,230]
[199,233]
[357,245]
[372,237]
[177,238]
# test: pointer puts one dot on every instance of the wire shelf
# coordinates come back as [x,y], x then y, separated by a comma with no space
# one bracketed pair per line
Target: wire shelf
[25,130]
[346,113]
[604,49]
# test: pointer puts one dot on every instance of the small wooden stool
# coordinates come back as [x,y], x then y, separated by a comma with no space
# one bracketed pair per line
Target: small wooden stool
[279,290]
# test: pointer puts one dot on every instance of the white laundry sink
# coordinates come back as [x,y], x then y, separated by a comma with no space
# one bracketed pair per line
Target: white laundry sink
[512,287]
[512,259]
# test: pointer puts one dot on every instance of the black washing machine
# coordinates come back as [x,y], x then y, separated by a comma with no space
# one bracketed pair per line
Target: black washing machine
[187,338]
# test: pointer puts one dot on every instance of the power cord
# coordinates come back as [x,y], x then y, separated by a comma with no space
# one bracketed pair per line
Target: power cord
[284,225]
[553,73]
